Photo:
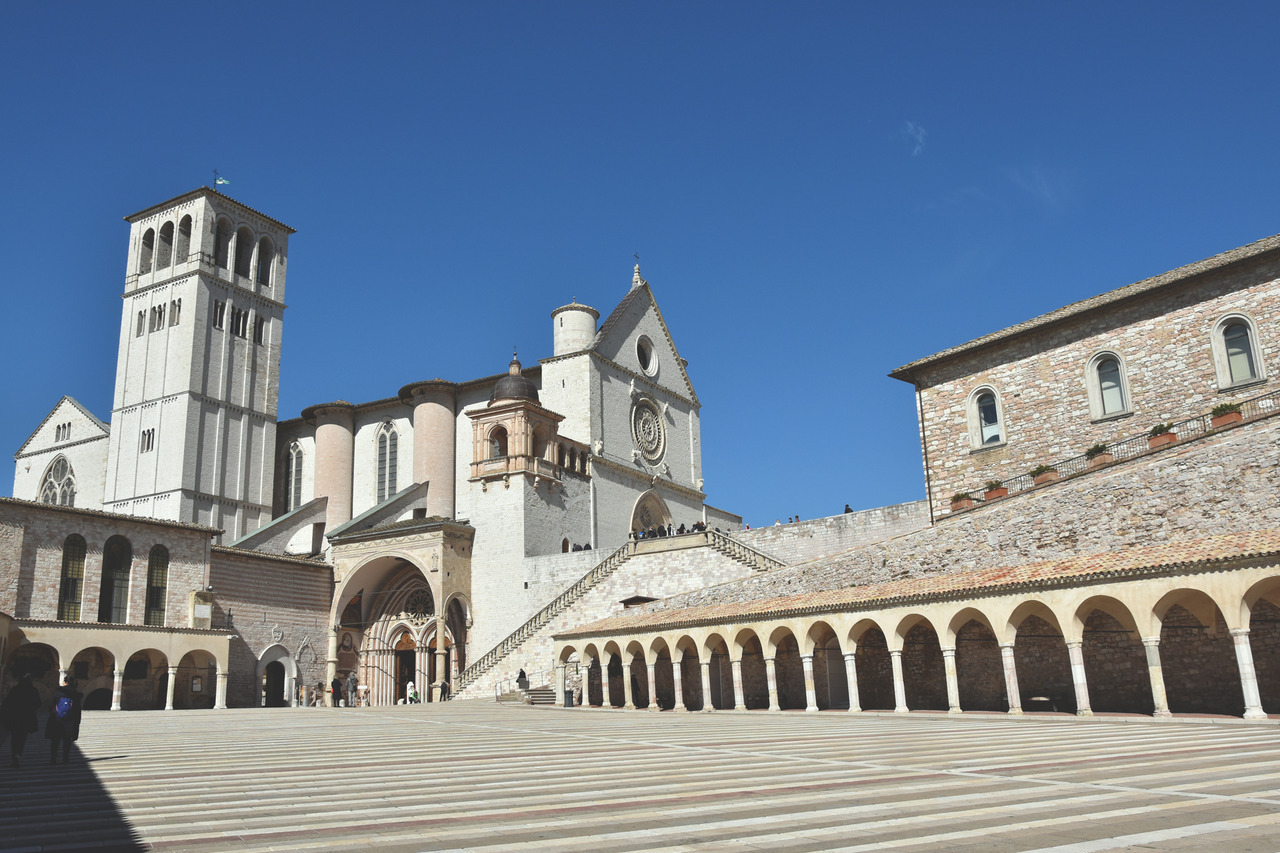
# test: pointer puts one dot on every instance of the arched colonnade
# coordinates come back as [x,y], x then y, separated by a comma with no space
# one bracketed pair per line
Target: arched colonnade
[1187,643]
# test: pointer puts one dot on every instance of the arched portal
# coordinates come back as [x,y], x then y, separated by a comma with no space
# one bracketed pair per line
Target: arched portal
[273,685]
[650,511]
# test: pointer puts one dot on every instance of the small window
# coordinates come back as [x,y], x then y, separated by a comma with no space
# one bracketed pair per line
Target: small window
[113,601]
[259,329]
[388,446]
[147,441]
[182,247]
[144,254]
[219,313]
[293,477]
[58,486]
[1107,386]
[244,252]
[222,243]
[645,355]
[986,427]
[1236,357]
[497,443]
[164,257]
[175,311]
[142,324]
[266,256]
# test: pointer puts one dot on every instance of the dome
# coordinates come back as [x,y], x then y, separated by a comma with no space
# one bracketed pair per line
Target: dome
[514,386]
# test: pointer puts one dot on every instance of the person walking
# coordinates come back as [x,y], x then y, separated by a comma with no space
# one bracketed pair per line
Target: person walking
[353,690]
[64,720]
[336,686]
[18,715]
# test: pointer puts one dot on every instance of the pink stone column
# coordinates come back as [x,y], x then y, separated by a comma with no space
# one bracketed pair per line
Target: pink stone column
[653,689]
[434,442]
[117,685]
[1011,691]
[1076,653]
[810,695]
[627,701]
[739,701]
[851,675]
[676,677]
[707,704]
[335,442]
[1248,675]
[899,688]
[168,690]
[220,697]
[953,684]
[1151,645]
[772,676]
[560,685]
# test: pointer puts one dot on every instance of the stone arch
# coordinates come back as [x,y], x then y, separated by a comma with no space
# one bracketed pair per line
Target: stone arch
[41,660]
[145,682]
[715,651]
[1260,613]
[245,243]
[1115,662]
[788,670]
[979,665]
[663,673]
[196,683]
[874,665]
[687,658]
[635,665]
[612,671]
[924,678]
[748,650]
[1197,655]
[830,681]
[1040,656]
[94,670]
[271,693]
[649,510]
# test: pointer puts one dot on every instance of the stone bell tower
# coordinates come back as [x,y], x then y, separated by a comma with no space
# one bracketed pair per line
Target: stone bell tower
[194,415]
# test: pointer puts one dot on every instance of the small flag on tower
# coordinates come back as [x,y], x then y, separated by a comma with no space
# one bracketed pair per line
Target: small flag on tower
[221,181]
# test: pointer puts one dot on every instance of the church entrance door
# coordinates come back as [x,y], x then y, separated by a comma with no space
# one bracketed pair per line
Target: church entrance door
[273,685]
[405,670]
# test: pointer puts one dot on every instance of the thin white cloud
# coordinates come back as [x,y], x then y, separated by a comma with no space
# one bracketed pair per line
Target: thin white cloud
[915,134]
[1040,186]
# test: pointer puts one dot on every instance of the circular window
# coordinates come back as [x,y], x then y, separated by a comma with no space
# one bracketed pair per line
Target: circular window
[644,352]
[648,431]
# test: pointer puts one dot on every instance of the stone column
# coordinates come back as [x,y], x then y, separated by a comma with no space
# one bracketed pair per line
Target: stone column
[220,698]
[117,685]
[168,689]
[335,441]
[653,689]
[739,700]
[953,683]
[560,668]
[1248,675]
[851,675]
[434,442]
[1075,652]
[331,667]
[899,688]
[676,677]
[628,699]
[1151,645]
[437,686]
[810,695]
[1011,691]
[707,704]
[772,676]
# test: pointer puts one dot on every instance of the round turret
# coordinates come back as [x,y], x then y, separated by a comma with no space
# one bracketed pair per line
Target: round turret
[514,386]
[574,327]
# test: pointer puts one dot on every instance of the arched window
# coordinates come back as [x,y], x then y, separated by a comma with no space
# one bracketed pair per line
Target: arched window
[144,253]
[266,256]
[117,560]
[497,443]
[58,486]
[244,252]
[1107,385]
[222,244]
[165,256]
[1237,359]
[986,419]
[157,582]
[69,591]
[293,476]
[182,247]
[388,445]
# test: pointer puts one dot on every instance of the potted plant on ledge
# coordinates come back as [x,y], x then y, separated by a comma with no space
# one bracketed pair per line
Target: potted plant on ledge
[1042,474]
[961,500]
[1225,413]
[1099,455]
[1160,435]
[995,489]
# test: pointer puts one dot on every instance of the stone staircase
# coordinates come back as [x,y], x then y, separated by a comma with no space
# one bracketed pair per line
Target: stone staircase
[541,695]
[737,551]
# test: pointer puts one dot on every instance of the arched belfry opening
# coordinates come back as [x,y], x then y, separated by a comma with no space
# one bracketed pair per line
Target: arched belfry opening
[650,511]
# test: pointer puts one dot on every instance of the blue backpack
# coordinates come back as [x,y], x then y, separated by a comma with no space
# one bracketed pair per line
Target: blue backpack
[62,708]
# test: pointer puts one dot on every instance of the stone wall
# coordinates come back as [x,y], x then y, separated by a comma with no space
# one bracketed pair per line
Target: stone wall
[267,601]
[1164,342]
[806,540]
[1217,484]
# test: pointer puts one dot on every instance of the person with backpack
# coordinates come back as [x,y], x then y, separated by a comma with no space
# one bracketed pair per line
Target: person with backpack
[18,715]
[64,720]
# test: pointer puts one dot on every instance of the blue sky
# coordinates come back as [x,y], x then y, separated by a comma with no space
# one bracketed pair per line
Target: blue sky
[818,192]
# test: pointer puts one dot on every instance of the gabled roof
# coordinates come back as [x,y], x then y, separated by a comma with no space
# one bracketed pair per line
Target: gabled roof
[93,420]
[203,191]
[1203,554]
[1095,303]
[639,290]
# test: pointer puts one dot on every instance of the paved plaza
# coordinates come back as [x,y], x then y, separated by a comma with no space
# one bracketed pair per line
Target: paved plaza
[487,777]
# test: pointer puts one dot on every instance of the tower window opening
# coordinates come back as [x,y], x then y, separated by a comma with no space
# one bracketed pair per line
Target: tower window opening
[175,311]
[182,247]
[259,329]
[142,324]
[164,257]
[388,446]
[244,252]
[293,477]
[157,584]
[219,313]
[497,443]
[222,244]
[266,256]
[145,252]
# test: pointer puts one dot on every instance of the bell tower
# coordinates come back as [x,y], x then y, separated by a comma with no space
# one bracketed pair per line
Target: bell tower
[193,419]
